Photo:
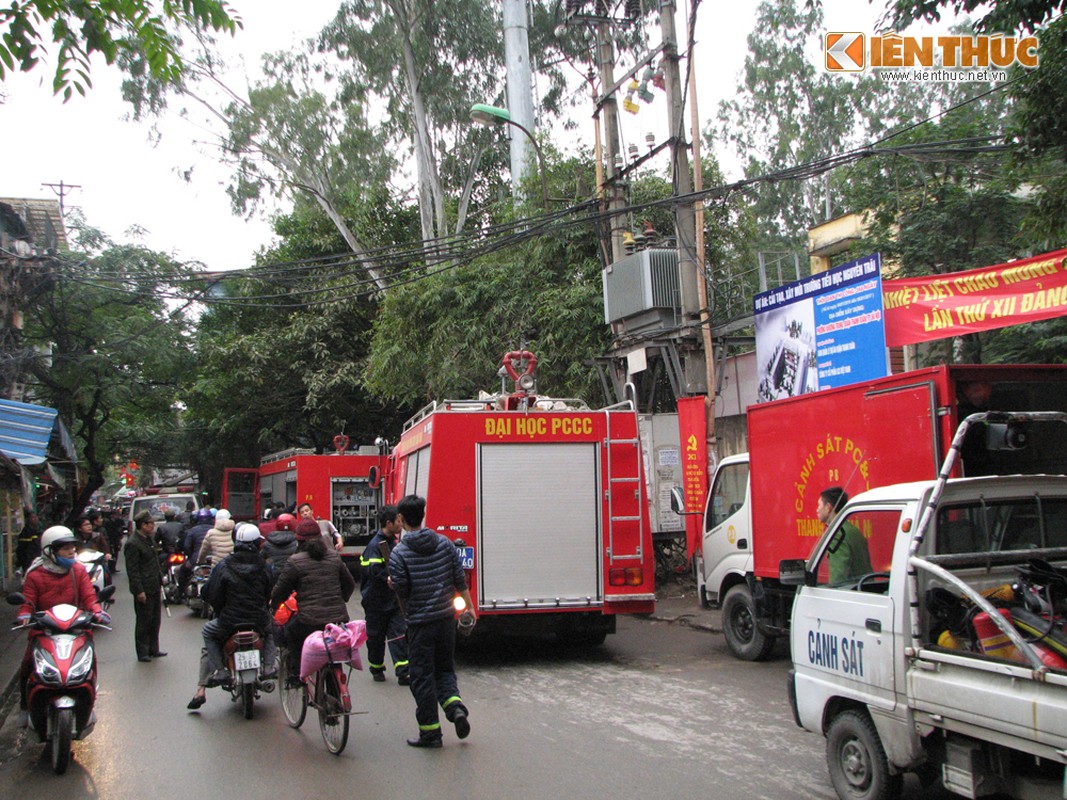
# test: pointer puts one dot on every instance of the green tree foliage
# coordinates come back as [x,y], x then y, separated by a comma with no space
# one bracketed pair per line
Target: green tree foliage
[1004,16]
[111,355]
[112,28]
[444,334]
[281,350]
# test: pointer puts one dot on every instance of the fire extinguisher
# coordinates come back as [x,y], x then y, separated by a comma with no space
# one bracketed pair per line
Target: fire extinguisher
[994,642]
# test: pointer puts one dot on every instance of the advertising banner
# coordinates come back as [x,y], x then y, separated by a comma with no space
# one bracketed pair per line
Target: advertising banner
[693,435]
[939,306]
[821,332]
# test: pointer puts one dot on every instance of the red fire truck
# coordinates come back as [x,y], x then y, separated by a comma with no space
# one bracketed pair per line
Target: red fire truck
[337,485]
[546,500]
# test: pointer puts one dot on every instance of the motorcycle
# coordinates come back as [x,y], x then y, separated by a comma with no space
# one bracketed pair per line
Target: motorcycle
[61,689]
[95,564]
[195,590]
[244,656]
[172,587]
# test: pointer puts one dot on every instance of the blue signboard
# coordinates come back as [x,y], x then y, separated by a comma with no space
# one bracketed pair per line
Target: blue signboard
[819,332]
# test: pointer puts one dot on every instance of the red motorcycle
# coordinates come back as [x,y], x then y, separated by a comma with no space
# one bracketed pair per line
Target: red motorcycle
[243,652]
[61,690]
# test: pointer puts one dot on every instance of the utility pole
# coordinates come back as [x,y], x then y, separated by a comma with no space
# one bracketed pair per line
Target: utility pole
[609,107]
[520,92]
[684,223]
[61,189]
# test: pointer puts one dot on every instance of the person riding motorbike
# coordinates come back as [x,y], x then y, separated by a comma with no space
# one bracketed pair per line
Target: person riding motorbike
[54,577]
[322,584]
[218,542]
[280,544]
[89,538]
[194,537]
[238,590]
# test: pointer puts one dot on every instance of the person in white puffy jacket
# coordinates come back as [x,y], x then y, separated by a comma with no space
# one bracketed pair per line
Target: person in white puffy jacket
[218,543]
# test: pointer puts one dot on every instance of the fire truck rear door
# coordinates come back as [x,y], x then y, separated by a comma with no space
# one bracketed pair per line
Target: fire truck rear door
[539,528]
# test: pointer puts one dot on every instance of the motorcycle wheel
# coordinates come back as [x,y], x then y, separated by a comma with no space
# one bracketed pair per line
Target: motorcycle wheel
[294,698]
[333,721]
[61,741]
[248,696]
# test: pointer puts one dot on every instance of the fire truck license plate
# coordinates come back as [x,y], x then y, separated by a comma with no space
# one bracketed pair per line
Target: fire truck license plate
[246,659]
[466,557]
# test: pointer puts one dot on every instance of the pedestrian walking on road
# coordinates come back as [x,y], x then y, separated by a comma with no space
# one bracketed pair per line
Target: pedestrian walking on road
[385,620]
[146,578]
[29,546]
[426,572]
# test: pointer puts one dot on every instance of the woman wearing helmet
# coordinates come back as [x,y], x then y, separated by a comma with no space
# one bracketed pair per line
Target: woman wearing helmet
[322,584]
[238,590]
[55,577]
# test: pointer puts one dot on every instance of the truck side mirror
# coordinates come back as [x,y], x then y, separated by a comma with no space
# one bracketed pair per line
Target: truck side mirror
[793,572]
[678,502]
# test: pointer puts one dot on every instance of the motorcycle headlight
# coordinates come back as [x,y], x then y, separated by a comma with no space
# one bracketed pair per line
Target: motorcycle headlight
[83,662]
[46,668]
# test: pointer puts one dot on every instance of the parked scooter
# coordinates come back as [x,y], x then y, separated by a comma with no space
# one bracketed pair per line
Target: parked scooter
[195,590]
[95,564]
[244,657]
[61,690]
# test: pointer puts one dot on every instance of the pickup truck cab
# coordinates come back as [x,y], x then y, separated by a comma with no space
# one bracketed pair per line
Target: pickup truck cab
[893,665]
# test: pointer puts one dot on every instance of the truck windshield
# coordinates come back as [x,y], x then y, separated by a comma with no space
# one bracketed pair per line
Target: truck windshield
[727,495]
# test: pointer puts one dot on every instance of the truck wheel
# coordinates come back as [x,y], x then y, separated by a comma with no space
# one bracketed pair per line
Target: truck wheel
[858,766]
[739,625]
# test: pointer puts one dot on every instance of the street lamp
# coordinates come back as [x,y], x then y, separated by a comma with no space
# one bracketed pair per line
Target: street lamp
[491,116]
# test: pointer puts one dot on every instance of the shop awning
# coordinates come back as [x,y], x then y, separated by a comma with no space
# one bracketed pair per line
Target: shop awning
[26,430]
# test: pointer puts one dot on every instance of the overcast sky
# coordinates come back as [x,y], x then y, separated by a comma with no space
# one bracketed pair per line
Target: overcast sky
[125,181]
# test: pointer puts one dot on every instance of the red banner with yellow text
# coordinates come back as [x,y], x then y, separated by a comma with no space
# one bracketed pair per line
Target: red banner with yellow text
[939,306]
[693,434]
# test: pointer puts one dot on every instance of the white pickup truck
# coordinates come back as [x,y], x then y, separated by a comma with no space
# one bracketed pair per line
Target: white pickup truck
[916,666]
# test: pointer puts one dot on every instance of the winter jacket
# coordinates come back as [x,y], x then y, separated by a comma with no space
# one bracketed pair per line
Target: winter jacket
[427,574]
[277,549]
[322,588]
[218,543]
[142,565]
[194,537]
[169,535]
[374,575]
[94,541]
[43,589]
[239,590]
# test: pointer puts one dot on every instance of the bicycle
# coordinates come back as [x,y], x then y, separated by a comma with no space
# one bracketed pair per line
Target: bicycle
[325,690]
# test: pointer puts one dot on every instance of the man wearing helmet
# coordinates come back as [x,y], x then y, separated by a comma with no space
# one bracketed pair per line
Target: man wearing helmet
[194,537]
[238,590]
[55,577]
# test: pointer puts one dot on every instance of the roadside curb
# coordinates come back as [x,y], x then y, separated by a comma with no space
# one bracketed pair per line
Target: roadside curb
[692,620]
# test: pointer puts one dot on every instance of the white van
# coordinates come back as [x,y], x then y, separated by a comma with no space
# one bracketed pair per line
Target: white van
[158,504]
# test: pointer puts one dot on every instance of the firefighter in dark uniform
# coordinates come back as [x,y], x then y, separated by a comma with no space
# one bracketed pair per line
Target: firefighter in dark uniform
[385,620]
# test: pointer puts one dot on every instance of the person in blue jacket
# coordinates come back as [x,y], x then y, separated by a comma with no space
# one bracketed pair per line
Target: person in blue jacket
[426,572]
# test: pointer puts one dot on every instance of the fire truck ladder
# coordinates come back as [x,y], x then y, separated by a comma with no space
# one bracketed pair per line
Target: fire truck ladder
[625,494]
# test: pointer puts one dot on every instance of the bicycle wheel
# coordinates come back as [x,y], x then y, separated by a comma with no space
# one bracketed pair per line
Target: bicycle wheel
[294,698]
[333,721]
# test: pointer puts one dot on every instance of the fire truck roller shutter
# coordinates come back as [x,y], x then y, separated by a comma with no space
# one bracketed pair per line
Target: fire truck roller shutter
[539,525]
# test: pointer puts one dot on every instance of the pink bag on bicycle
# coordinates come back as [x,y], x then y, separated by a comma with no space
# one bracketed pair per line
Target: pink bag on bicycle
[336,643]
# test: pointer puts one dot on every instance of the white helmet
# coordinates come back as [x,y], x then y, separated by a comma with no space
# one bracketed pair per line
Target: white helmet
[222,515]
[247,532]
[55,536]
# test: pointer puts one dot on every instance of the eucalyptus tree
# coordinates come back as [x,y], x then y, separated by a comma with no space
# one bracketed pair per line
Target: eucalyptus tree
[281,347]
[109,351]
[113,29]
